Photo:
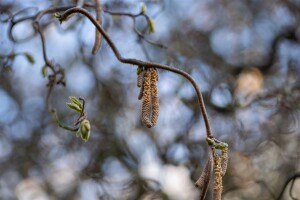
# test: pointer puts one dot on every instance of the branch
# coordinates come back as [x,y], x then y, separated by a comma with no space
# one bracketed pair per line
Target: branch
[139,34]
[97,43]
[292,178]
[64,16]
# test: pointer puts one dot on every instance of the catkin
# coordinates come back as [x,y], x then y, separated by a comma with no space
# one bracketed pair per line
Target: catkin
[224,161]
[205,174]
[147,81]
[154,96]
[218,187]
[140,83]
[140,78]
[204,179]
[141,93]
[146,105]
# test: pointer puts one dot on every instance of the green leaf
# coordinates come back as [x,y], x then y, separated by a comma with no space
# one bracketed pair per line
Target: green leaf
[74,107]
[29,57]
[151,25]
[44,71]
[85,129]
[76,101]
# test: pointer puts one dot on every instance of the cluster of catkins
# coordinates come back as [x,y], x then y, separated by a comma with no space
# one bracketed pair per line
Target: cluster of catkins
[218,164]
[147,81]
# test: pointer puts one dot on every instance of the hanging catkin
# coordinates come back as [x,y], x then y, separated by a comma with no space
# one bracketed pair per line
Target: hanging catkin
[154,96]
[146,105]
[224,161]
[140,78]
[204,179]
[206,173]
[147,81]
[218,187]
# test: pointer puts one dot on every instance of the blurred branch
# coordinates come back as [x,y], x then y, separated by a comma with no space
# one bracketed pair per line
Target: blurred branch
[57,76]
[98,36]
[60,124]
[292,178]
[133,17]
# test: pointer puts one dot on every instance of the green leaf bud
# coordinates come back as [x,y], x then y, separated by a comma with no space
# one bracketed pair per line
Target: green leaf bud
[210,141]
[151,25]
[221,146]
[85,129]
[44,71]
[29,57]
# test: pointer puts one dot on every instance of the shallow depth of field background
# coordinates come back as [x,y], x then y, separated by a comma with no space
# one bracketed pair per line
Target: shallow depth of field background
[245,56]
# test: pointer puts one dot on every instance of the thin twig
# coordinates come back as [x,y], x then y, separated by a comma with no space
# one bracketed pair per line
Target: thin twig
[139,34]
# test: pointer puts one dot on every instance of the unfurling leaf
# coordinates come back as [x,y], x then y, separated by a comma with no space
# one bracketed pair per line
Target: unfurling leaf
[85,129]
[29,57]
[44,71]
[74,107]
[76,101]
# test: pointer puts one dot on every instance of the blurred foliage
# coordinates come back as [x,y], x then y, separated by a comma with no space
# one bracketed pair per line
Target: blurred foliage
[244,55]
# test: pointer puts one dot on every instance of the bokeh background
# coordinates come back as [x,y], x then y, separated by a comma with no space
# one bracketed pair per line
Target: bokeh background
[245,56]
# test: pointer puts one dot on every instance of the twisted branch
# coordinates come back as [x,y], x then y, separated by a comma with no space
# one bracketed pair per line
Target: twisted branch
[145,64]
